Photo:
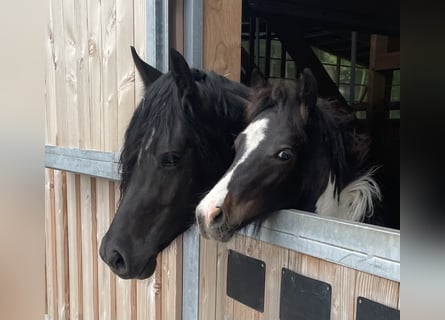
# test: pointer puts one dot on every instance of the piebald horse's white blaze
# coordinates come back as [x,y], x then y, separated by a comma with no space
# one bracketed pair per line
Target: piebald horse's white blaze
[254,133]
[354,202]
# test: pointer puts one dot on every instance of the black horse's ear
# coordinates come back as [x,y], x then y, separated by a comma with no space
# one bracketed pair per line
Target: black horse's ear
[257,79]
[146,71]
[308,88]
[182,74]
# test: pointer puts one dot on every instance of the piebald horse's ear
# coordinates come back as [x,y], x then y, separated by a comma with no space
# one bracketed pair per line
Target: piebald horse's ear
[146,71]
[308,93]
[257,79]
[308,88]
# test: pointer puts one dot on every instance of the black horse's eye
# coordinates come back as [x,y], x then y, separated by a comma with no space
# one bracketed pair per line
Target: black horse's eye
[170,159]
[284,155]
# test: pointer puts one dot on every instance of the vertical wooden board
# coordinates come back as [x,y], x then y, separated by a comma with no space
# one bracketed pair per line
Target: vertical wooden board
[171,280]
[95,71]
[74,245]
[109,79]
[252,248]
[59,72]
[61,229]
[70,47]
[140,41]
[123,287]
[222,37]
[50,249]
[105,294]
[208,284]
[50,83]
[81,26]
[275,258]
[224,304]
[88,251]
[342,280]
[125,67]
[378,289]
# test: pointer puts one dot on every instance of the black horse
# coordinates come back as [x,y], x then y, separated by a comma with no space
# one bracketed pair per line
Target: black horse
[298,151]
[178,144]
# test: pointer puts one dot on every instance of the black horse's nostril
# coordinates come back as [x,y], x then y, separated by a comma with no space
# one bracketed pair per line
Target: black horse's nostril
[116,262]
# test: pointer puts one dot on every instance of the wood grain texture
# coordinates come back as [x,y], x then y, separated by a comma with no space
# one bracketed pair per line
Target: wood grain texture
[50,249]
[208,283]
[222,37]
[74,245]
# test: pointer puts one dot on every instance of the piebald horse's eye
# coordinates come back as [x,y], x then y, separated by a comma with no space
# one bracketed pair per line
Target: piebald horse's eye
[170,159]
[284,155]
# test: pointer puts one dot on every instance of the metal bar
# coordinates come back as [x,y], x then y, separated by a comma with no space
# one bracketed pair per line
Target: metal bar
[90,162]
[193,32]
[267,49]
[372,249]
[193,53]
[353,63]
[157,34]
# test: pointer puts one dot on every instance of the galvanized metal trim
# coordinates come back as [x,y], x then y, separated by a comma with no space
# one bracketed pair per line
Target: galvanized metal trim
[193,32]
[157,34]
[372,249]
[193,53]
[90,162]
[190,276]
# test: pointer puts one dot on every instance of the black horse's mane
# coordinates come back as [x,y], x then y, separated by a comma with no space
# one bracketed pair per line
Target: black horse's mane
[161,109]
[340,131]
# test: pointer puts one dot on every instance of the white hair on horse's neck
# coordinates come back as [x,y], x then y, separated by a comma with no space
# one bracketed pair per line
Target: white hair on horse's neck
[354,202]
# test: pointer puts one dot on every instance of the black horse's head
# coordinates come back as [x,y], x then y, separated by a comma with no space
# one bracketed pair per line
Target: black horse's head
[178,143]
[295,147]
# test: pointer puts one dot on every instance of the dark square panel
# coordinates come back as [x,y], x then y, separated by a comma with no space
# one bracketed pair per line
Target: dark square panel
[304,298]
[371,310]
[246,280]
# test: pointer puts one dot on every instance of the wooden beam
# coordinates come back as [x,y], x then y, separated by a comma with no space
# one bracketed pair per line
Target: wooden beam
[387,61]
[304,57]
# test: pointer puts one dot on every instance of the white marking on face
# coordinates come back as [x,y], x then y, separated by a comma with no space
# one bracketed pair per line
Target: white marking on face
[147,145]
[255,133]
[356,200]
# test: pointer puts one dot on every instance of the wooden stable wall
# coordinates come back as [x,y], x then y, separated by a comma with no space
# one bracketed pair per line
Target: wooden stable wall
[347,284]
[91,92]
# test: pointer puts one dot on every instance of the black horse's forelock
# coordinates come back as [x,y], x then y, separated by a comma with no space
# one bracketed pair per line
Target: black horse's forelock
[161,109]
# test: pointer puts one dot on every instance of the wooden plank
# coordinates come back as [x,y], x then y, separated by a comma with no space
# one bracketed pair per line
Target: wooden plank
[387,61]
[95,72]
[109,79]
[125,67]
[50,250]
[106,295]
[70,44]
[88,248]
[171,280]
[50,83]
[275,258]
[74,245]
[378,289]
[224,304]
[140,41]
[208,282]
[59,63]
[61,228]
[252,248]
[123,287]
[82,61]
[222,37]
